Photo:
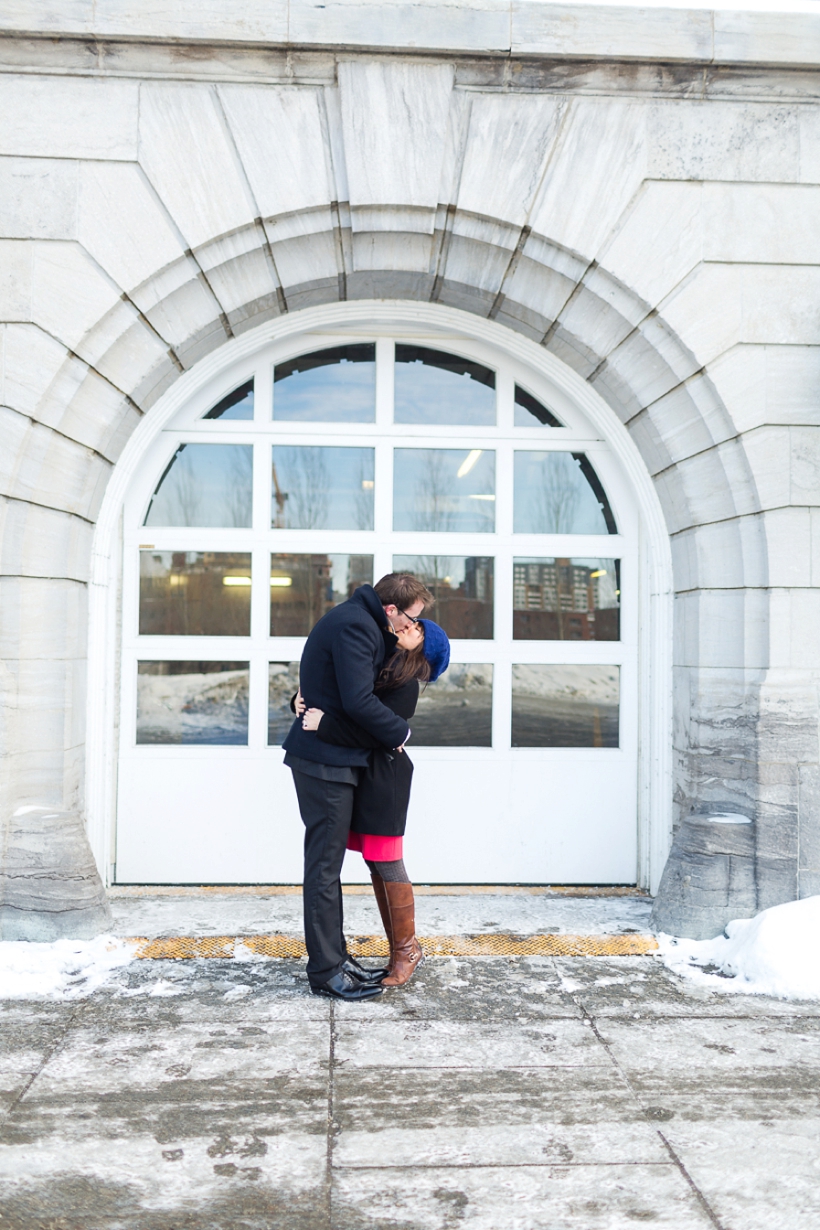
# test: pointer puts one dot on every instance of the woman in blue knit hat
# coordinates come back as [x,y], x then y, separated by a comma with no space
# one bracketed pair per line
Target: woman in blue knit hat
[383,793]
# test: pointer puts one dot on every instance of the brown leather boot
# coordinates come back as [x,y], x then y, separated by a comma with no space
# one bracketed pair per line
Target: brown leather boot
[384,910]
[407,954]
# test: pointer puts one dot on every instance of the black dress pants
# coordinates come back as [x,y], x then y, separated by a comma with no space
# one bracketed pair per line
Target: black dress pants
[326,808]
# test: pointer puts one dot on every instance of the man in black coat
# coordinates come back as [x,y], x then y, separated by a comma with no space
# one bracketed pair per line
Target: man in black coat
[340,664]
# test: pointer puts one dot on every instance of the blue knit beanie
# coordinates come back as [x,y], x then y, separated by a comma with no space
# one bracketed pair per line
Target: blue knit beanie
[436,647]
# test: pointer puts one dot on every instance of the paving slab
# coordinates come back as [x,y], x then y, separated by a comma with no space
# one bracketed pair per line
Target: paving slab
[491,1093]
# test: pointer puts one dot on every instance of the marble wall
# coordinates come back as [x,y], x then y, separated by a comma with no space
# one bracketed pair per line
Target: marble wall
[654,225]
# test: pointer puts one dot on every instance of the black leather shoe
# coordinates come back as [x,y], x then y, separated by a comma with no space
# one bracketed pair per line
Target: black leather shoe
[361,973]
[344,986]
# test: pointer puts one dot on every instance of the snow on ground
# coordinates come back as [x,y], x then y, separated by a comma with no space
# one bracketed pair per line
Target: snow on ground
[66,969]
[776,953]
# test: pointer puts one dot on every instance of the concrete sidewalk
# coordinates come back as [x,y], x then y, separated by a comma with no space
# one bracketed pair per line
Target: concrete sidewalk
[532,1093]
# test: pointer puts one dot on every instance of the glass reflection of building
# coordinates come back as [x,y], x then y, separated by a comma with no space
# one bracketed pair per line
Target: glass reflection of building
[565,599]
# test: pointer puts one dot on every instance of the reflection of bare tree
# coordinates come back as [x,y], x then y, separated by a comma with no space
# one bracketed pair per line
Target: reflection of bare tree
[555,499]
[432,570]
[240,491]
[434,495]
[363,500]
[184,491]
[308,494]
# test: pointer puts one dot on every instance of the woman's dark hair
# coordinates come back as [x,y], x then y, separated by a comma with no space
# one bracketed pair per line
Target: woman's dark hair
[404,665]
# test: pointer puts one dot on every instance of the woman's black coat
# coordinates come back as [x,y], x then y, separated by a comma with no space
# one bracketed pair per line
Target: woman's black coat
[383,793]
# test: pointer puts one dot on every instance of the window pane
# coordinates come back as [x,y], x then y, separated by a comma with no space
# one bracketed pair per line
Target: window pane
[529,408]
[283,681]
[434,387]
[456,710]
[205,484]
[462,587]
[559,493]
[445,489]
[318,488]
[337,385]
[237,405]
[566,599]
[192,702]
[195,593]
[565,706]
[304,587]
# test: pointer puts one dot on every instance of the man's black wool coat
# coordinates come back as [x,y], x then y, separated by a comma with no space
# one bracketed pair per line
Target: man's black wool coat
[340,663]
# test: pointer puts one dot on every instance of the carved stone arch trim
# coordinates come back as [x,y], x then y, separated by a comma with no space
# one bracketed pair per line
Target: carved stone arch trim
[656,590]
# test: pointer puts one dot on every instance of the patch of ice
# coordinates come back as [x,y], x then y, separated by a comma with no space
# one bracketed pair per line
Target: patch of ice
[772,954]
[241,952]
[238,992]
[65,969]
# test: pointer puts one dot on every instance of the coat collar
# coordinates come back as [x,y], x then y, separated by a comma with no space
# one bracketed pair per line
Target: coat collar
[367,597]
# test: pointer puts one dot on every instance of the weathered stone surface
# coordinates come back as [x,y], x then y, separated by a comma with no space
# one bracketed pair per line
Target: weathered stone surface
[50,888]
[709,879]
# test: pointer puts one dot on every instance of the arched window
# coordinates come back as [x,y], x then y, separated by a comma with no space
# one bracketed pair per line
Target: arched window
[328,463]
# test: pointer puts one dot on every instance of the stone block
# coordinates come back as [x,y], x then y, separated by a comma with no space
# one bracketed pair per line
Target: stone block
[44,622]
[645,367]
[399,252]
[815,546]
[602,30]
[41,542]
[481,26]
[778,304]
[516,132]
[745,37]
[69,117]
[709,879]
[690,419]
[712,140]
[768,454]
[788,542]
[37,464]
[808,119]
[70,294]
[607,137]
[769,223]
[15,279]
[144,239]
[399,160]
[280,135]
[805,464]
[706,311]
[808,883]
[38,198]
[722,628]
[793,619]
[470,262]
[32,360]
[50,888]
[189,156]
[127,352]
[304,259]
[723,555]
[659,240]
[600,315]
[178,303]
[238,268]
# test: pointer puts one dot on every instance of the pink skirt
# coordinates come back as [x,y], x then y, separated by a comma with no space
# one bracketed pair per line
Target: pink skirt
[376,849]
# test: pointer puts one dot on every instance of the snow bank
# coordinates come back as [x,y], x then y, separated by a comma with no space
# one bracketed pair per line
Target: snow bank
[66,969]
[776,953]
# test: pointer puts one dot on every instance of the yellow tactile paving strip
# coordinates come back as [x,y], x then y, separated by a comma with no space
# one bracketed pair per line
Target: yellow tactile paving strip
[186,947]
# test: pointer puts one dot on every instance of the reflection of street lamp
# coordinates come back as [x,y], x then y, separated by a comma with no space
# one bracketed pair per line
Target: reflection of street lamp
[468,462]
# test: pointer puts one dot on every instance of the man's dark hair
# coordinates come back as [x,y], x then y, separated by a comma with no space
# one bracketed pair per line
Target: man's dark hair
[402,589]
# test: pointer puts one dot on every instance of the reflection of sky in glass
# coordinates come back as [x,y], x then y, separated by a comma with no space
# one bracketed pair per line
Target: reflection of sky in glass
[554,496]
[427,393]
[237,405]
[429,495]
[338,386]
[192,702]
[322,488]
[205,484]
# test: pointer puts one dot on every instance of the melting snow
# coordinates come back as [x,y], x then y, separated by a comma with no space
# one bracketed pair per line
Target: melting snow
[775,953]
[66,969]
